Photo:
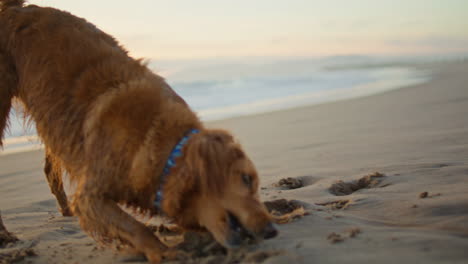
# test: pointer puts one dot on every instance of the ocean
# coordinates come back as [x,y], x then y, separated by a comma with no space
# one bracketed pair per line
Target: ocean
[224,88]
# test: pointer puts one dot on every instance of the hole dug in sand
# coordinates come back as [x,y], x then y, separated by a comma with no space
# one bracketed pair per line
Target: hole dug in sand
[200,247]
[284,211]
[342,188]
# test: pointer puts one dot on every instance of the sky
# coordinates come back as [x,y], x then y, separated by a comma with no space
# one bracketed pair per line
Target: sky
[188,29]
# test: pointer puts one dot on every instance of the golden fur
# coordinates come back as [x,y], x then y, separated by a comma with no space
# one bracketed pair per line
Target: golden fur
[111,124]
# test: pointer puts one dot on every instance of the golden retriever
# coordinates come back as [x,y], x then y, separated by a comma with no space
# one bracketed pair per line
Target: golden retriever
[123,135]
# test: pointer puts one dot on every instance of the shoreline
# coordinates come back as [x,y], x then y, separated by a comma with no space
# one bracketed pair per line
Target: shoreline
[32,142]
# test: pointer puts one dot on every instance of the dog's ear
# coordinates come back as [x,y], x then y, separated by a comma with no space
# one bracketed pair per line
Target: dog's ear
[178,191]
[236,152]
[204,169]
[209,159]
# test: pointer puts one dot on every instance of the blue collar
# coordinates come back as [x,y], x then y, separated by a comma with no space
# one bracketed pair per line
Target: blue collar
[176,152]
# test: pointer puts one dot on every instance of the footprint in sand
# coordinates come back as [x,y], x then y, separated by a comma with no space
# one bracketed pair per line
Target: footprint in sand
[335,205]
[350,233]
[291,183]
[342,188]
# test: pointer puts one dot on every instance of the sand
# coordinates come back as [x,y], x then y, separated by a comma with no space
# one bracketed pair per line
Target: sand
[417,137]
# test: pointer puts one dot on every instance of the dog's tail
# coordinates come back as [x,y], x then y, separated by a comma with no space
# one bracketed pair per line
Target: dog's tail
[5,4]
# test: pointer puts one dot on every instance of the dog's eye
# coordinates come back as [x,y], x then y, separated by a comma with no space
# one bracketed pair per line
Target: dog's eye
[247,179]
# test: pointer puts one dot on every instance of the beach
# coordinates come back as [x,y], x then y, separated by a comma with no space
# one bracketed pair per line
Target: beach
[416,211]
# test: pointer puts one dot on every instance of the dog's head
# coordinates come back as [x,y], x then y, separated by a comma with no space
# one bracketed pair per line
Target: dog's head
[215,186]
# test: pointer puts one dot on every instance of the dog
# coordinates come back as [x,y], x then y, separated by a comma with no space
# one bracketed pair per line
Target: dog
[123,136]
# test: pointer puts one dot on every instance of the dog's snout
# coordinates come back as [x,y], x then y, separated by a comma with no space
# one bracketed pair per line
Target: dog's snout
[269,231]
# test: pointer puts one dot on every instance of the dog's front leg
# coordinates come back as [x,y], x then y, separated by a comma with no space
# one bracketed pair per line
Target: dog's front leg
[104,219]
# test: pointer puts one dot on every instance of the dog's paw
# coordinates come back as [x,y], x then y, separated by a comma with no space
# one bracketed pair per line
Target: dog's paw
[154,258]
[66,212]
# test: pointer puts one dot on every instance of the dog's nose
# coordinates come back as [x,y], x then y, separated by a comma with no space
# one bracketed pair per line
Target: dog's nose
[269,231]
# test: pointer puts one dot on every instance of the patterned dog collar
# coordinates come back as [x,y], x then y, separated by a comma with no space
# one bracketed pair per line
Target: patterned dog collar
[175,153]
